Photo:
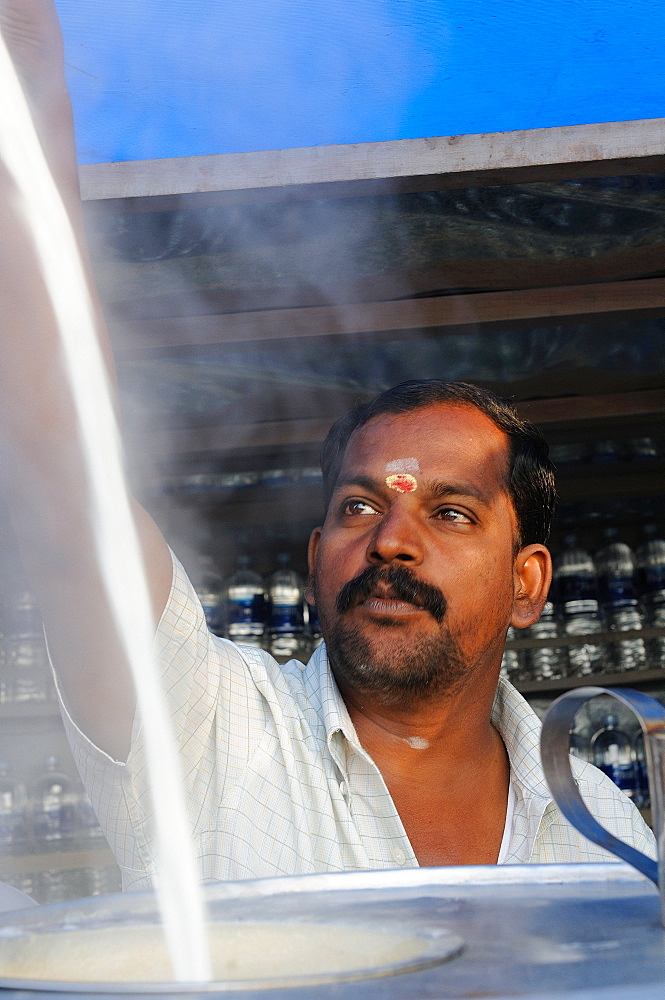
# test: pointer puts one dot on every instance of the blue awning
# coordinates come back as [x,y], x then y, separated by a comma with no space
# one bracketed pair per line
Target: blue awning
[166,78]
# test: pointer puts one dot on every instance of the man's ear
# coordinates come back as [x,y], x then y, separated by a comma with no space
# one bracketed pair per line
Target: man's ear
[532,576]
[312,549]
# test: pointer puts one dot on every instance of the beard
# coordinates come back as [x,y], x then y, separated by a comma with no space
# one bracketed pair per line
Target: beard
[409,666]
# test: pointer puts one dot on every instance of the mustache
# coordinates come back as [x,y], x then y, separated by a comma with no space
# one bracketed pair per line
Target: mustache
[404,586]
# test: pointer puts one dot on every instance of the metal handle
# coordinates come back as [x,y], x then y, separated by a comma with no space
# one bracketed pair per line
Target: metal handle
[555,753]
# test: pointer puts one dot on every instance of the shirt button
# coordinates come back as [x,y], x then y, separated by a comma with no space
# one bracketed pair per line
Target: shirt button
[399,857]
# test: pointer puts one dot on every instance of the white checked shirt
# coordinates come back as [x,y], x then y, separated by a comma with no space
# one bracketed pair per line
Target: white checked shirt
[277,782]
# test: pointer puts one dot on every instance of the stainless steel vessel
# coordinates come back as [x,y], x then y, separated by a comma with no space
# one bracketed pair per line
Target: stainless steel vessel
[554,932]
[555,741]
[580,932]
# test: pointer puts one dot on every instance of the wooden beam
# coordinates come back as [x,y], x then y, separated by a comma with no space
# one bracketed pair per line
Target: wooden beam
[232,437]
[404,164]
[604,406]
[451,313]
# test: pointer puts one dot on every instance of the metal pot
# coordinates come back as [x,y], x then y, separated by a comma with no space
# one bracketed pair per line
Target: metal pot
[588,932]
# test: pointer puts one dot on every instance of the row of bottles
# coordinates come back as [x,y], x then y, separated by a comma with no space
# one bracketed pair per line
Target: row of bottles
[614,592]
[25,675]
[53,812]
[206,482]
[642,449]
[57,885]
[613,749]
[271,614]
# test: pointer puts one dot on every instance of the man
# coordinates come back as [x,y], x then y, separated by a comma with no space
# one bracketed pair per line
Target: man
[393,746]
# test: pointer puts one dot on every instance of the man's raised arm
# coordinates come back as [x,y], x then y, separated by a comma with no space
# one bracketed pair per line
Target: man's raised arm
[42,474]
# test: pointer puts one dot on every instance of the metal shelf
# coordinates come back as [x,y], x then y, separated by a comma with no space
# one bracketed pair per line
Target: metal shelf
[64,860]
[591,638]
[16,711]
[628,678]
[302,501]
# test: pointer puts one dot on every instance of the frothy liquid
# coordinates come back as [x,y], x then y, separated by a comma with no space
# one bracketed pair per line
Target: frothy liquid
[117,544]
[242,951]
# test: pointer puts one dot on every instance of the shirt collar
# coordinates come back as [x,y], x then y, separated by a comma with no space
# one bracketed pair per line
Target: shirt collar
[331,708]
[512,716]
[520,727]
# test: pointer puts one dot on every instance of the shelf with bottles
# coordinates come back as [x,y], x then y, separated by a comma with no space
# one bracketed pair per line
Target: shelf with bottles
[605,616]
[642,679]
[592,459]
[27,690]
[607,733]
[58,878]
[267,611]
[283,495]
[536,665]
[72,858]
[51,845]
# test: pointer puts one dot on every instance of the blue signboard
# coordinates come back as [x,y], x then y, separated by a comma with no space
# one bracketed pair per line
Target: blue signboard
[164,78]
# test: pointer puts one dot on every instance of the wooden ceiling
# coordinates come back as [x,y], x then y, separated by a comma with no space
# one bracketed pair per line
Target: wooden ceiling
[248,328]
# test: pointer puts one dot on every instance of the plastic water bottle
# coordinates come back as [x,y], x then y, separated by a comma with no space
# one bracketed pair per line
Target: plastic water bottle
[607,452]
[545,662]
[53,799]
[650,559]
[287,622]
[245,602]
[25,620]
[575,581]
[25,650]
[613,753]
[12,809]
[615,564]
[210,592]
[643,449]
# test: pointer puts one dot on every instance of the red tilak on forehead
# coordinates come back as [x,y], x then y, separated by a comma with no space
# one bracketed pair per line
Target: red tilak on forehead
[403,482]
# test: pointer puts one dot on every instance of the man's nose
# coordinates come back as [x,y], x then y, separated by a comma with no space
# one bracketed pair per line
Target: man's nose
[396,538]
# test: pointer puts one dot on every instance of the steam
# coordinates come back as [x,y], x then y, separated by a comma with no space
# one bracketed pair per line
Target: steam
[116,538]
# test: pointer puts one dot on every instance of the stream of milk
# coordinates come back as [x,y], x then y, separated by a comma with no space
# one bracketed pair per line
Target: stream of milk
[177,883]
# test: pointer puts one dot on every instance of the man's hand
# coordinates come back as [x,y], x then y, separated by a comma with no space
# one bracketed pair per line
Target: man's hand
[44,477]
[32,35]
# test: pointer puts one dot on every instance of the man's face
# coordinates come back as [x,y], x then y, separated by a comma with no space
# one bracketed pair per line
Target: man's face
[413,569]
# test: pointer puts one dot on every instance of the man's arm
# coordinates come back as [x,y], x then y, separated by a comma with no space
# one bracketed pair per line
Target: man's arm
[43,476]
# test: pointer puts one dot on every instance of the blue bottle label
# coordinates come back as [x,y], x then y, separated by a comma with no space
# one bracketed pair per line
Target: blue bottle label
[55,823]
[623,776]
[618,592]
[247,610]
[286,618]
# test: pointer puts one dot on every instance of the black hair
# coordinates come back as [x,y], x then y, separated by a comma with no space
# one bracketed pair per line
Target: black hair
[530,480]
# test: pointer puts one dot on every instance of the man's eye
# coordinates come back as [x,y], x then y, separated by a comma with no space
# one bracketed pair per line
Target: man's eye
[357,507]
[451,514]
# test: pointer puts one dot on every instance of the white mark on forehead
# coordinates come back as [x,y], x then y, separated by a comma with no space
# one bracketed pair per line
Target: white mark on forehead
[416,743]
[403,465]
